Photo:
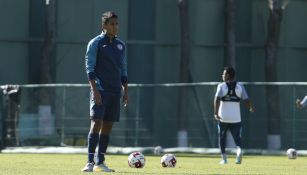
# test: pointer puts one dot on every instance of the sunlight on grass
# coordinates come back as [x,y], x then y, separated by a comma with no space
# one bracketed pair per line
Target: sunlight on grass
[69,164]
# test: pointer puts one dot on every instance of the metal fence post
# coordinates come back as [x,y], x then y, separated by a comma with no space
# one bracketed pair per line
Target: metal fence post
[137,116]
[294,116]
[63,117]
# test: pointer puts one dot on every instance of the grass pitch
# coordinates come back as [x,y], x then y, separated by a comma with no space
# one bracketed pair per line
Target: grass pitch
[71,164]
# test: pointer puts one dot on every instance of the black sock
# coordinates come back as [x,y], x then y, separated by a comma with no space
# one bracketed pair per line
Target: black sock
[102,148]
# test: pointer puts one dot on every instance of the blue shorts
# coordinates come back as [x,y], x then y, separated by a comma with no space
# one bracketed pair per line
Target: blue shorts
[110,108]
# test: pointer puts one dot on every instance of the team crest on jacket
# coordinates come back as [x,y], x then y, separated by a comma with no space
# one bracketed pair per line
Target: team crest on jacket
[120,47]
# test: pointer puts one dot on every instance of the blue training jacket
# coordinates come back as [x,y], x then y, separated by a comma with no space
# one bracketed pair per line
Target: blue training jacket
[106,63]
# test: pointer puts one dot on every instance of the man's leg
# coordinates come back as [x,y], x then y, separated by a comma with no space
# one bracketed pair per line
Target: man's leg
[104,140]
[235,130]
[222,129]
[103,144]
[112,101]
[93,138]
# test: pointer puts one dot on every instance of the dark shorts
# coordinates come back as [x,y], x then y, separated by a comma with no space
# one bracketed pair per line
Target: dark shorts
[234,128]
[110,108]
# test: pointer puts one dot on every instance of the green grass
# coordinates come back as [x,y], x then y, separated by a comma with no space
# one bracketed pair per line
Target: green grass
[70,164]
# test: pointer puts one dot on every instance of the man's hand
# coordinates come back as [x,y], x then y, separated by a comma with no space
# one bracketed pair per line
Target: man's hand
[125,99]
[97,97]
[298,103]
[252,109]
[217,117]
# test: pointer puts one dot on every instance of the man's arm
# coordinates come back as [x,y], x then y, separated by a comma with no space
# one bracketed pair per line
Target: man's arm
[246,100]
[217,101]
[90,63]
[124,78]
[90,58]
[216,105]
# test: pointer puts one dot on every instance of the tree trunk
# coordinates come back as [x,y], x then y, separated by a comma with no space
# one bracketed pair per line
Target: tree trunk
[48,48]
[46,120]
[230,35]
[272,93]
[184,72]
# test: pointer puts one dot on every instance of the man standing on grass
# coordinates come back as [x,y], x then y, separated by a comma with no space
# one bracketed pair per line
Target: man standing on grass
[227,111]
[106,68]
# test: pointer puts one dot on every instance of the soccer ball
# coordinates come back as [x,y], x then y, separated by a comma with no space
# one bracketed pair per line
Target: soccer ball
[158,150]
[168,160]
[136,160]
[291,153]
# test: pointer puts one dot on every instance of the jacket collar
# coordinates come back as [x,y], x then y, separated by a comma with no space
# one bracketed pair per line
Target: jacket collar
[108,38]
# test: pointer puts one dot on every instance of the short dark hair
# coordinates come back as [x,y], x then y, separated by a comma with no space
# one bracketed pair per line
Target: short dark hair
[106,16]
[230,71]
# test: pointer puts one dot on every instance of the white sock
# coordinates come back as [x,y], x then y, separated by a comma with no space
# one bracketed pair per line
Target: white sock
[238,150]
